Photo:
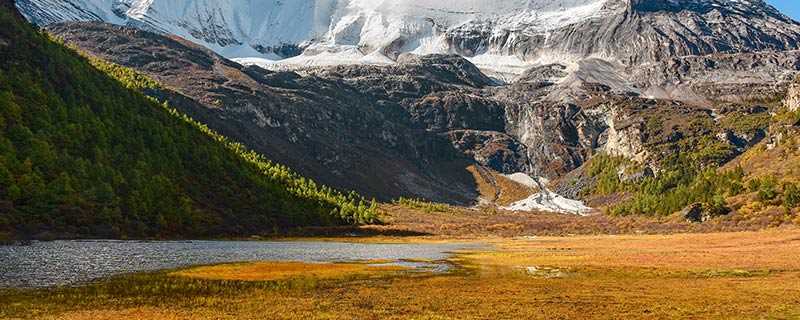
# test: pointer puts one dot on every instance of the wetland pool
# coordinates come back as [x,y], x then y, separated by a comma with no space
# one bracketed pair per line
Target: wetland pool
[59,263]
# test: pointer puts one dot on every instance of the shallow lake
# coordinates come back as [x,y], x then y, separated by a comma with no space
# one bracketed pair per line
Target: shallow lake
[52,263]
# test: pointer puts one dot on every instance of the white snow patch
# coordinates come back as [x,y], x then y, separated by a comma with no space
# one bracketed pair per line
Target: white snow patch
[523,179]
[504,67]
[544,200]
[544,16]
[551,202]
[319,59]
[261,62]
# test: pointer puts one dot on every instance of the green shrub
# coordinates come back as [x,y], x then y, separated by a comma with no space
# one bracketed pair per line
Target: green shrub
[791,195]
[746,123]
[680,182]
[717,206]
[767,189]
[753,185]
[605,169]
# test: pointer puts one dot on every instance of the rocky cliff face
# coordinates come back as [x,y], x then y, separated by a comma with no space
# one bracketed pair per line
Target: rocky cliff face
[792,101]
[641,31]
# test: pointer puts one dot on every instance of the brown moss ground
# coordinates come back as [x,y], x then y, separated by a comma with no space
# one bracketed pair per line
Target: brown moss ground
[749,275]
[764,250]
[496,188]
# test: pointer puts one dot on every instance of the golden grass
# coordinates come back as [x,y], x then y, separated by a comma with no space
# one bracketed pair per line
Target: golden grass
[765,250]
[271,271]
[783,161]
[745,275]
[143,313]
[511,191]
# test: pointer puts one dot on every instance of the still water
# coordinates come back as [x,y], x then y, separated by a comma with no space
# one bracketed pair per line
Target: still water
[42,264]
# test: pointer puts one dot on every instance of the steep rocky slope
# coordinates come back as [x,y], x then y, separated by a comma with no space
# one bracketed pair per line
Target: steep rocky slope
[343,136]
[408,123]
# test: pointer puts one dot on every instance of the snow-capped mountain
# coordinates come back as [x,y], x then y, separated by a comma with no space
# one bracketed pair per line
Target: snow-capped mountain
[503,35]
[592,74]
[329,31]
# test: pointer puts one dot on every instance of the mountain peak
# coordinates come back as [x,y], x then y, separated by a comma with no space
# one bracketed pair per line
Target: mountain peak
[504,36]
[701,6]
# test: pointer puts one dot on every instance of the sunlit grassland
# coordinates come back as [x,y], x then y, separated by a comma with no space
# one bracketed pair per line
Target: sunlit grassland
[753,275]
[271,271]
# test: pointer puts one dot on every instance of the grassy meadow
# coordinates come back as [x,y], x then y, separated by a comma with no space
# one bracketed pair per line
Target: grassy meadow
[744,275]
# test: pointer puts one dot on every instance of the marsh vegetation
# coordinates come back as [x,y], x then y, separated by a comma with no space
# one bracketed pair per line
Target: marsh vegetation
[702,276]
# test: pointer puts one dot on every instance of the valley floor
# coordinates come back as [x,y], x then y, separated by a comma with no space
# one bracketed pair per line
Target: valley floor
[738,275]
[435,221]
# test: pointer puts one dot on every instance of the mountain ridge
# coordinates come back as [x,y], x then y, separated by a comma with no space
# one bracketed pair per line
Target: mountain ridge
[521,32]
[341,135]
[677,49]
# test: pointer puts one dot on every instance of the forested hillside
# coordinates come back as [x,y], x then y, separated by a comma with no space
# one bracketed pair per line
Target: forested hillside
[83,154]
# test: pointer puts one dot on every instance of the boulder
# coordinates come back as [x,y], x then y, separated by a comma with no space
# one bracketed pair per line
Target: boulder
[631,174]
[699,213]
[693,213]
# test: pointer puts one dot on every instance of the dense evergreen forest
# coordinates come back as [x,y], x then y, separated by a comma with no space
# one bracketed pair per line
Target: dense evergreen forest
[84,154]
